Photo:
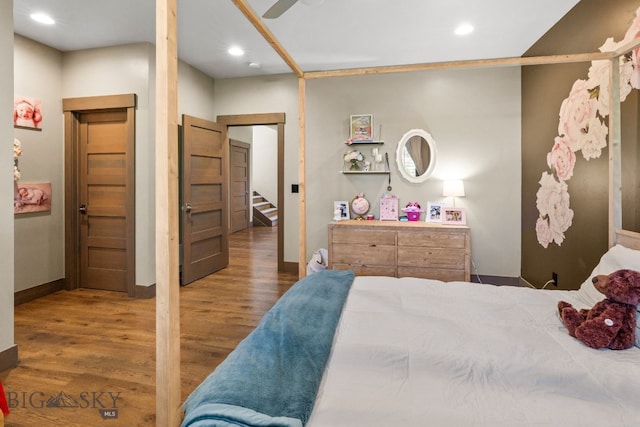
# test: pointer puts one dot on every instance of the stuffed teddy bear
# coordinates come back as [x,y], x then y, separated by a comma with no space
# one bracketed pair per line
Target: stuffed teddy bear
[611,322]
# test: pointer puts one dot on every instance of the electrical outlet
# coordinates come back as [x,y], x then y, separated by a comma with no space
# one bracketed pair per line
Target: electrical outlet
[554,277]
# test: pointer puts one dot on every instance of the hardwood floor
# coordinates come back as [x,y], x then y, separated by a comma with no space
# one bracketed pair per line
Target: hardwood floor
[86,352]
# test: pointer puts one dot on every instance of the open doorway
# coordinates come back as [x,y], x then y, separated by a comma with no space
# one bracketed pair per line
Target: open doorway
[253,176]
[276,122]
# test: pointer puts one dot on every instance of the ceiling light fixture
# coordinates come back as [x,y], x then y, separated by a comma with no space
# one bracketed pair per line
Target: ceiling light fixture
[42,18]
[254,65]
[235,51]
[464,29]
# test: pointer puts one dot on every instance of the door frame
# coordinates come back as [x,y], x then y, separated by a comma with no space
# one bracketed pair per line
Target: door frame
[277,119]
[71,108]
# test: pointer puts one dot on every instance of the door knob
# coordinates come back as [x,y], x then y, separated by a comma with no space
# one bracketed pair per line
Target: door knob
[188,207]
[83,209]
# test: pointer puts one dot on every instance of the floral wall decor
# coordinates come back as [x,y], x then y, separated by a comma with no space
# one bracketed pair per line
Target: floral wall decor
[582,130]
[353,160]
[17,152]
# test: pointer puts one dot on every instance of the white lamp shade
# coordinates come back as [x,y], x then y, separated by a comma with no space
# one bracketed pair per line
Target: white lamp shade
[453,188]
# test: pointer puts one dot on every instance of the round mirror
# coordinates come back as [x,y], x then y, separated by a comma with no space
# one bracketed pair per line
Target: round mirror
[416,155]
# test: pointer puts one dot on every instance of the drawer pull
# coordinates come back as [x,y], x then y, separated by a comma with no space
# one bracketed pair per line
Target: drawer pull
[372,246]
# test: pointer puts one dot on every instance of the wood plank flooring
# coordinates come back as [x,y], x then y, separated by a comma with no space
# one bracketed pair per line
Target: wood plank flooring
[86,352]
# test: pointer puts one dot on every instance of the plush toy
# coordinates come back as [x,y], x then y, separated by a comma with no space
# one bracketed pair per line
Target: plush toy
[611,322]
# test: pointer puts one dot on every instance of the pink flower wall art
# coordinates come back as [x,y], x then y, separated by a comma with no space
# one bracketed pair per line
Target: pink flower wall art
[582,128]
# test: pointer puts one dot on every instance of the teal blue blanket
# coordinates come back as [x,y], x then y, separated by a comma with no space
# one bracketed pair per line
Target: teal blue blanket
[272,377]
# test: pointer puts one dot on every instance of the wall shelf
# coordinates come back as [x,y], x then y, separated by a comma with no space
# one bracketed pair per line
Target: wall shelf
[365,143]
[365,172]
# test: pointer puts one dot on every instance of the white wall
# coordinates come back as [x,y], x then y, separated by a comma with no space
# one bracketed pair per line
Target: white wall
[264,161]
[39,238]
[6,176]
[195,93]
[474,116]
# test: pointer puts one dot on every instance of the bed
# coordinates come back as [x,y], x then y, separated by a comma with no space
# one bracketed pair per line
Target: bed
[415,352]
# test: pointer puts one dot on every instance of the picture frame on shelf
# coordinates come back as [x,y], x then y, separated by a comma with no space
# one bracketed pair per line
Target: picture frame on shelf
[434,212]
[454,216]
[341,210]
[361,127]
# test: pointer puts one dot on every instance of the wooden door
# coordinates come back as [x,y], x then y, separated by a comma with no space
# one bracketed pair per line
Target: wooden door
[240,185]
[204,217]
[106,200]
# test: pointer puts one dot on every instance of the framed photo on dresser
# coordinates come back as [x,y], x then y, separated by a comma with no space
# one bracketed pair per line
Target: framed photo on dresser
[454,216]
[434,212]
[340,210]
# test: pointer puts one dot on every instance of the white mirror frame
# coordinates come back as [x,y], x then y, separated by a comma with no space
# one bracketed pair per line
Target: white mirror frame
[432,162]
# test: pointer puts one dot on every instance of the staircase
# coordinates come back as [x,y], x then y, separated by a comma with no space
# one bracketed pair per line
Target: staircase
[265,214]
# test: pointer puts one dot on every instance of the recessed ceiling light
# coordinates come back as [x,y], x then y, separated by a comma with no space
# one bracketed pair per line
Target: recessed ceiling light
[235,51]
[464,29]
[254,65]
[42,18]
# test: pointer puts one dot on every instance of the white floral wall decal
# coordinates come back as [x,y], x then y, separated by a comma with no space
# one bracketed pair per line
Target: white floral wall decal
[581,128]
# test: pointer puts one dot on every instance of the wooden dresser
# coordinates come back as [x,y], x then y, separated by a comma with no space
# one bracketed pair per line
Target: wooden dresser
[401,249]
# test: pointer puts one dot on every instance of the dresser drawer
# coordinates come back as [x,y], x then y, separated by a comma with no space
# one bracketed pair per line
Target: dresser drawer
[368,270]
[447,258]
[431,239]
[433,273]
[372,254]
[354,236]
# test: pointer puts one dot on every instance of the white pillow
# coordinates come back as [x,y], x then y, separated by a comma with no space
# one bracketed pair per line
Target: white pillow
[616,258]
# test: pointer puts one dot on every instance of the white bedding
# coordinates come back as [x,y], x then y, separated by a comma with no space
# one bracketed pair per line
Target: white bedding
[413,352]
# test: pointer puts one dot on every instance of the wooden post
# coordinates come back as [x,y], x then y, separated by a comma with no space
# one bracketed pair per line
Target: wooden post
[302,205]
[615,157]
[168,397]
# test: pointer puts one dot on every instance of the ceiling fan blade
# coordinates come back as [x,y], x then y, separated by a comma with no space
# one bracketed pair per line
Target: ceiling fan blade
[279,7]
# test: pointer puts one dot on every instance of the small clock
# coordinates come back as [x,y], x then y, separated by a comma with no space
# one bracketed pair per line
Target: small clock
[360,206]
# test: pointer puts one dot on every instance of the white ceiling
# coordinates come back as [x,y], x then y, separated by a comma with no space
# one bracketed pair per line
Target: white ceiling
[336,34]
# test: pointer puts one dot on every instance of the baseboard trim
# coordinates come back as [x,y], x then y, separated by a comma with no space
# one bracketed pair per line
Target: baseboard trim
[145,292]
[9,358]
[36,292]
[497,280]
[289,267]
[20,297]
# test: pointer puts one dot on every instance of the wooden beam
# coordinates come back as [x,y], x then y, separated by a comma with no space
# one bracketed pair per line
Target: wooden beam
[302,204]
[476,63]
[615,156]
[251,119]
[268,35]
[633,44]
[168,397]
